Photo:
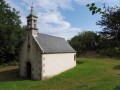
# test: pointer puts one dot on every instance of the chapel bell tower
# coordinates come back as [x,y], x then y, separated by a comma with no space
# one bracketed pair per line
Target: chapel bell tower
[32,23]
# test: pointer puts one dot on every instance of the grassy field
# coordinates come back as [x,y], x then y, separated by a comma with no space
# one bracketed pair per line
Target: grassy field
[89,74]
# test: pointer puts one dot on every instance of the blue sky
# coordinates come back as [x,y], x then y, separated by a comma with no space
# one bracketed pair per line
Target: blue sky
[63,18]
[81,17]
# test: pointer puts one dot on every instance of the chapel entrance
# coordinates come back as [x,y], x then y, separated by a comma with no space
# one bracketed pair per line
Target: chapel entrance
[28,71]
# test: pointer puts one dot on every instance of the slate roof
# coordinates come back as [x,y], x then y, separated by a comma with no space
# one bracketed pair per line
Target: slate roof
[52,44]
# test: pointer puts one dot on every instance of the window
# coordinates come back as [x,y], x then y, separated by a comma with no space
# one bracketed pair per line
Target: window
[29,24]
[34,25]
[28,49]
[29,46]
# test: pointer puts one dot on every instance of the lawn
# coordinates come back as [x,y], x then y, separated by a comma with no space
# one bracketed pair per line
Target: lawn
[89,74]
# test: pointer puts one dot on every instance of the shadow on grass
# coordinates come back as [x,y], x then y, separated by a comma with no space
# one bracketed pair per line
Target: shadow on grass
[79,62]
[116,67]
[116,58]
[10,75]
[117,88]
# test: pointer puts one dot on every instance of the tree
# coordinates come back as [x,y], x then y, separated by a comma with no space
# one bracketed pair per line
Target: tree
[11,33]
[94,9]
[84,41]
[76,44]
[110,22]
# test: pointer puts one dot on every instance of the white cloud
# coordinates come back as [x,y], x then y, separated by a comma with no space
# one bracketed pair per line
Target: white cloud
[55,19]
[51,21]
[54,4]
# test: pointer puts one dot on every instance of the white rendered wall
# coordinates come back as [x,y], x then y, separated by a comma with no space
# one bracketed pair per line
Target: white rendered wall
[53,64]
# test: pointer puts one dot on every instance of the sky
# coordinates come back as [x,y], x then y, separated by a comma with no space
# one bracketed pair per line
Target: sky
[62,18]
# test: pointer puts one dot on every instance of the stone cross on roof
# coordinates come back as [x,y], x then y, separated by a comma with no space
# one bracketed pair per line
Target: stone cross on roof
[32,12]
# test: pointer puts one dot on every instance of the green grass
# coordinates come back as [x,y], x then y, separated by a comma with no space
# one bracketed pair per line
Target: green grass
[89,74]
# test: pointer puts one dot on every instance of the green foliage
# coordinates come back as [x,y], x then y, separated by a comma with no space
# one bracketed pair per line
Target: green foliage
[84,41]
[109,41]
[111,52]
[100,43]
[11,63]
[111,24]
[94,9]
[110,21]
[89,74]
[11,33]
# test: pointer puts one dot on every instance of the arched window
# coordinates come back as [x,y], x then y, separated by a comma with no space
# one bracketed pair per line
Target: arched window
[34,23]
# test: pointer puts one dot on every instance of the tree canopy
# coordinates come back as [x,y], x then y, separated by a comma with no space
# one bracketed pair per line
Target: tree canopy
[11,33]
[84,41]
[110,22]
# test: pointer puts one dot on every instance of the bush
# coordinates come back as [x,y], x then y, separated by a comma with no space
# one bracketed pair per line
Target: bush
[112,52]
[13,63]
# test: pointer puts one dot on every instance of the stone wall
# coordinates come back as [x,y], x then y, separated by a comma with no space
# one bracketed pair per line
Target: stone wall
[30,52]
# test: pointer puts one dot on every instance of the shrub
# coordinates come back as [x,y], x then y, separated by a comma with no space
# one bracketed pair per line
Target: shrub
[112,52]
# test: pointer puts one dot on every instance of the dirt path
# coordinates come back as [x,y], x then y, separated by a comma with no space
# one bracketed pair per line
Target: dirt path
[8,73]
[8,68]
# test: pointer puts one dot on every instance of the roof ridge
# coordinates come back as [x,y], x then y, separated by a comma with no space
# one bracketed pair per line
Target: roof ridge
[51,35]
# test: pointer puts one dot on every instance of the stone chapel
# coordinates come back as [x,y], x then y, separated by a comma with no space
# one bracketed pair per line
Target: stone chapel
[43,56]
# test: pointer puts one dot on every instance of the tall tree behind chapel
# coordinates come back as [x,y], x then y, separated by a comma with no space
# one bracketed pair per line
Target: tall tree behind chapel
[11,33]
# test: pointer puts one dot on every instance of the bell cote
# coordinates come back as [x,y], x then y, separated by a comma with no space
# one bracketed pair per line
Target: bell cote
[32,22]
